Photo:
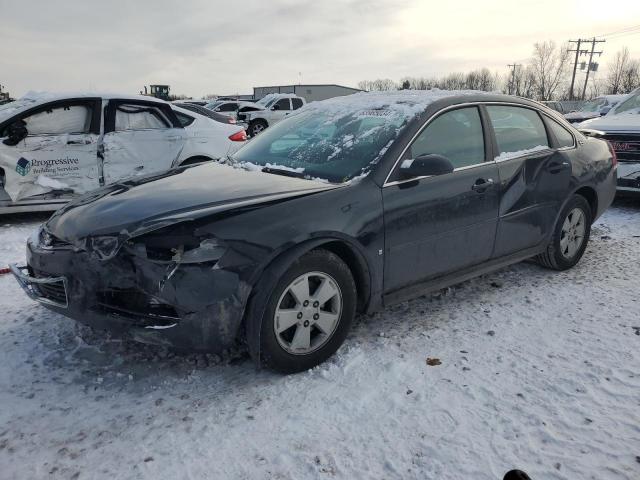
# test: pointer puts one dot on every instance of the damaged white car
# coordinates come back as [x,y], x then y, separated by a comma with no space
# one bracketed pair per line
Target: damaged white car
[53,147]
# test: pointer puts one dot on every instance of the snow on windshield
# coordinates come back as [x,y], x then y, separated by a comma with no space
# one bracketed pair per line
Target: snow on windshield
[630,105]
[340,138]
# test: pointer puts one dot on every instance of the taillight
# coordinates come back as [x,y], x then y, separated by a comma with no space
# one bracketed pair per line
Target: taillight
[240,136]
[614,157]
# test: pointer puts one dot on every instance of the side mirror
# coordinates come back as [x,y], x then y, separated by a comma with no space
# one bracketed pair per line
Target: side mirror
[16,132]
[605,110]
[425,166]
[275,107]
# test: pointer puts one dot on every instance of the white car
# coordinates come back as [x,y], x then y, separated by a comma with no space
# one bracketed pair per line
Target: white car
[621,127]
[595,108]
[231,107]
[53,147]
[271,109]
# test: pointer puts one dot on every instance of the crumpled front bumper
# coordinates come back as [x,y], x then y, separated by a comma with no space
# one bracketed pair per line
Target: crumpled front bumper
[191,307]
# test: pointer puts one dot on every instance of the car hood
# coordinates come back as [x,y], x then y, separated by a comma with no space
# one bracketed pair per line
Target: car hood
[577,116]
[623,122]
[137,206]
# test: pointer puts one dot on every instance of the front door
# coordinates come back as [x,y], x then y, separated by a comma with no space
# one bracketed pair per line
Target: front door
[140,138]
[59,154]
[440,224]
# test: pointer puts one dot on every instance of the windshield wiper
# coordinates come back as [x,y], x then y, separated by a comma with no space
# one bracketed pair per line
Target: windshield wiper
[283,171]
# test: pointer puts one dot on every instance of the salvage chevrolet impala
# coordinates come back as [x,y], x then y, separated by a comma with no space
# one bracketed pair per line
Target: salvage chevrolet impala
[346,206]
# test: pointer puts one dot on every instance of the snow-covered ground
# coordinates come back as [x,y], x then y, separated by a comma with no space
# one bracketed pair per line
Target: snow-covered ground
[539,371]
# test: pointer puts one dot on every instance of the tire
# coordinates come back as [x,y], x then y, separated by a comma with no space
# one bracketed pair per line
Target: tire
[296,336]
[257,126]
[574,222]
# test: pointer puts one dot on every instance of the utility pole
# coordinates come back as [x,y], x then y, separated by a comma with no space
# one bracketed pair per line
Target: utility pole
[575,65]
[513,76]
[589,65]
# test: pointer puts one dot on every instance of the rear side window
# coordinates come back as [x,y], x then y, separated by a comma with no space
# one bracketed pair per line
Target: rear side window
[297,103]
[60,120]
[139,117]
[563,136]
[228,107]
[517,128]
[185,120]
[283,104]
[456,135]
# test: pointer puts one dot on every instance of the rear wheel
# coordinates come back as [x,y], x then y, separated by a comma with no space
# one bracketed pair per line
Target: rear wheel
[257,126]
[308,314]
[570,236]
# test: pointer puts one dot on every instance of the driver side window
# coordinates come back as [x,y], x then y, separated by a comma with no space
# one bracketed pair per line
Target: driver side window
[59,120]
[283,104]
[456,135]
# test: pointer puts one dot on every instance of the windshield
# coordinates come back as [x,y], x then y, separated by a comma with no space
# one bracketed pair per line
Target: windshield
[321,144]
[593,105]
[631,104]
[9,109]
[213,105]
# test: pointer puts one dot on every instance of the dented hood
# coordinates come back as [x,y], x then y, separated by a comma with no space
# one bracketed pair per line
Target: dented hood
[140,205]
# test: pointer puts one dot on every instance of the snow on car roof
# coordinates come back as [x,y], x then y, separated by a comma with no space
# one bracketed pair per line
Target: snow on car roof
[33,98]
[407,103]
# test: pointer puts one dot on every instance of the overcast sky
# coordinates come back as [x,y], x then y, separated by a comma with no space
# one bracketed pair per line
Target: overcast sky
[205,46]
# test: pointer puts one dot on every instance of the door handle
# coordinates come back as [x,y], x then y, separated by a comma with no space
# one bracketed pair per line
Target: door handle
[482,185]
[557,167]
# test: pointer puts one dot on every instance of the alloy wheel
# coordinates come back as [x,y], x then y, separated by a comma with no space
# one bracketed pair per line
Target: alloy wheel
[257,128]
[308,313]
[572,234]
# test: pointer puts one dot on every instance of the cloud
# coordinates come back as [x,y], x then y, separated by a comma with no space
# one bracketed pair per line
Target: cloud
[201,46]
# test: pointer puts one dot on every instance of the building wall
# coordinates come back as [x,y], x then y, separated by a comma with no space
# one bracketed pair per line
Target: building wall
[309,92]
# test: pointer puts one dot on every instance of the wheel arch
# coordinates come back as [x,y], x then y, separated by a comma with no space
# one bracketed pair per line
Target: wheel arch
[591,196]
[193,159]
[266,278]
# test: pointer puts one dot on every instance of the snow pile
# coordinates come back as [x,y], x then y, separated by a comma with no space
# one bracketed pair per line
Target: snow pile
[523,368]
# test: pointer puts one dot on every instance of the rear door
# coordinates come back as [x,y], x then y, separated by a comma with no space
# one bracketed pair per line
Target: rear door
[59,154]
[141,137]
[535,175]
[441,224]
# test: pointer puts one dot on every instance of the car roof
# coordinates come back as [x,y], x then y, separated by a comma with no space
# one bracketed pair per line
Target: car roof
[33,99]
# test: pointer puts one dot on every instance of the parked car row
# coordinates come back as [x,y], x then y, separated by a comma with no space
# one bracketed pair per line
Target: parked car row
[346,205]
[259,115]
[595,108]
[55,147]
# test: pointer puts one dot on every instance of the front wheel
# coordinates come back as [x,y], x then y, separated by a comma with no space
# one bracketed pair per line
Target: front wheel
[308,314]
[570,236]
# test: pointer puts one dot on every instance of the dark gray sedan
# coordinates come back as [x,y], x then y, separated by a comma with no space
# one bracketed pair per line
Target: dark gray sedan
[346,206]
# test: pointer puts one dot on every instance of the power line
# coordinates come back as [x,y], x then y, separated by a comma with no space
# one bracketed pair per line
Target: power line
[622,30]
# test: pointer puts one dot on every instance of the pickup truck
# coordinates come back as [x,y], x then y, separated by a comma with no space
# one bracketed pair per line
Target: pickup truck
[621,128]
[272,108]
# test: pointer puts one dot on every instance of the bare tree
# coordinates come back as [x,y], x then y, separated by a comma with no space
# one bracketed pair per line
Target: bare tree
[378,85]
[617,70]
[631,76]
[550,66]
